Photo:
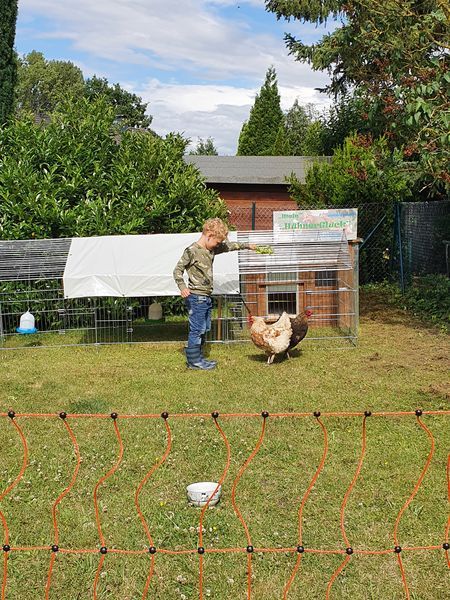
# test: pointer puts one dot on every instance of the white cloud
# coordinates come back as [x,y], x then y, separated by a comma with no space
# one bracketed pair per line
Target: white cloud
[201,111]
[216,63]
[187,35]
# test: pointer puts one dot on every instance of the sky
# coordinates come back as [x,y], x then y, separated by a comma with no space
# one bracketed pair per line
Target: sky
[198,63]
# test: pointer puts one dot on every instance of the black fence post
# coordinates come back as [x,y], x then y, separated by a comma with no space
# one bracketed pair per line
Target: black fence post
[253,216]
[398,233]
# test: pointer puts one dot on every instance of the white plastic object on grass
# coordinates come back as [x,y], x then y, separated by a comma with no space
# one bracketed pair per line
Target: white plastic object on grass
[198,493]
[155,311]
[27,323]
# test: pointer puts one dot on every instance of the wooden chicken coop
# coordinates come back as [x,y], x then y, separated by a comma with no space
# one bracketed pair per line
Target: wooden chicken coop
[308,269]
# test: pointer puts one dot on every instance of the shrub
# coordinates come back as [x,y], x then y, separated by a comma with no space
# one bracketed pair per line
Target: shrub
[78,176]
[360,172]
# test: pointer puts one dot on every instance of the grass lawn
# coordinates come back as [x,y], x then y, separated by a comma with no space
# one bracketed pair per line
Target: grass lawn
[399,365]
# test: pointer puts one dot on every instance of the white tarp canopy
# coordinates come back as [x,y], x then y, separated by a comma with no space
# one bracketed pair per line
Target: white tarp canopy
[138,265]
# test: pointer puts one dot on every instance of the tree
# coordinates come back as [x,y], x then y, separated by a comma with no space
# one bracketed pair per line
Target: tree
[205,148]
[313,140]
[128,108]
[8,65]
[259,133]
[395,55]
[345,117]
[300,132]
[296,122]
[360,172]
[42,83]
[281,145]
[76,180]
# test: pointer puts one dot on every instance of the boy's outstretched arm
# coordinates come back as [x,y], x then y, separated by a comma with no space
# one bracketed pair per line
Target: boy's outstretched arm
[227,246]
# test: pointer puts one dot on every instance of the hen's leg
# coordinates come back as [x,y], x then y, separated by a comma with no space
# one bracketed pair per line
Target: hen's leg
[270,359]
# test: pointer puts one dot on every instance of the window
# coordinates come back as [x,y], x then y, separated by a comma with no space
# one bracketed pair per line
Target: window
[281,296]
[326,279]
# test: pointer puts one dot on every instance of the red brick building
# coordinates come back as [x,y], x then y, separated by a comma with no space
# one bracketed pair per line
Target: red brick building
[253,186]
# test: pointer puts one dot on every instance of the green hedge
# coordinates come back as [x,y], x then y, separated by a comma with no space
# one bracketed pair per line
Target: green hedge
[78,175]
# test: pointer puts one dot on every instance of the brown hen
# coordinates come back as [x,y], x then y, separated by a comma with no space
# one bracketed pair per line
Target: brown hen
[272,338]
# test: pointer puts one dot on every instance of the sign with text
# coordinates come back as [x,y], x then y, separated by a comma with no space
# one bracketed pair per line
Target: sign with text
[326,219]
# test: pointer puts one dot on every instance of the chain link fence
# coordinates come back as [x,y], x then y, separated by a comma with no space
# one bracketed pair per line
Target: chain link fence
[256,217]
[424,238]
[377,250]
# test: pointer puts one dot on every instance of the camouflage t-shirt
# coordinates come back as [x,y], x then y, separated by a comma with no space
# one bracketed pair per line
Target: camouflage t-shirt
[198,263]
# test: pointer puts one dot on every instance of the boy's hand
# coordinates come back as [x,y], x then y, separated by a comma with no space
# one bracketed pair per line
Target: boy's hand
[264,249]
[185,293]
[252,246]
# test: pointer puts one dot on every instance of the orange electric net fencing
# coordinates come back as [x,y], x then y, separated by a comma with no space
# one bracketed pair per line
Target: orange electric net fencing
[297,550]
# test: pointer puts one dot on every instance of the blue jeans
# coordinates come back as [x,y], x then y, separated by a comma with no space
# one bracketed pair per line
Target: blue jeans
[199,310]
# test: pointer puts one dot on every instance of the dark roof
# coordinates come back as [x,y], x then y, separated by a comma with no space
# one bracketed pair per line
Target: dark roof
[252,169]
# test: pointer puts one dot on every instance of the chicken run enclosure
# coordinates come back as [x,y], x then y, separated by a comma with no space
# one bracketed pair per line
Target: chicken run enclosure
[306,269]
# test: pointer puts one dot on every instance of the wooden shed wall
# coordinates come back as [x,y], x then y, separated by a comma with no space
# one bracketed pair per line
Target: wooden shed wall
[324,301]
[240,198]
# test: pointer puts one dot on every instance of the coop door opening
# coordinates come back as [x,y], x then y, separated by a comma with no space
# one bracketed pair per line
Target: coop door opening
[281,294]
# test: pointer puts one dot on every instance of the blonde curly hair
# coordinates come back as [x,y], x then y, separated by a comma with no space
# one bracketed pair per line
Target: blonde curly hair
[216,227]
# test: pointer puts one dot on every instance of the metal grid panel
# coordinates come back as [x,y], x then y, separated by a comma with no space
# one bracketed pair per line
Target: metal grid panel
[28,260]
[295,250]
[334,321]
[59,321]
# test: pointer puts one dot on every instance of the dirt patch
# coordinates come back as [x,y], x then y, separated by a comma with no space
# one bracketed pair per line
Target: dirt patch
[375,306]
[438,390]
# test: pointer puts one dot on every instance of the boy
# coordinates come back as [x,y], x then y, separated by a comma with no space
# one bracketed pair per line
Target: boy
[197,260]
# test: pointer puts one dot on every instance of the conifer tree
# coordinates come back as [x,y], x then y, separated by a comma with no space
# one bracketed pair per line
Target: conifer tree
[205,147]
[281,146]
[8,65]
[297,121]
[259,134]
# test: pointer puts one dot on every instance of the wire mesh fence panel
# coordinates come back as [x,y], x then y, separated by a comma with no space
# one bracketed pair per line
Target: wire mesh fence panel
[171,324]
[242,217]
[425,226]
[56,322]
[256,217]
[423,234]
[333,302]
[398,241]
[32,260]
[60,321]
[113,321]
[376,229]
